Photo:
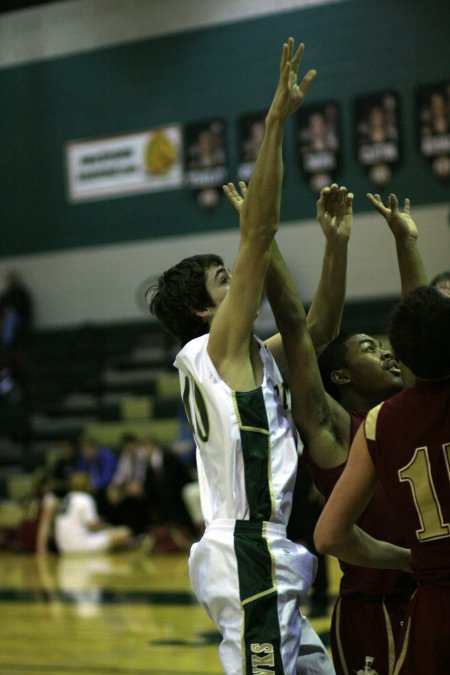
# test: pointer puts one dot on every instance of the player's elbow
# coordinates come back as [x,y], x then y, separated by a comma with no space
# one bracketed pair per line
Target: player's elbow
[325,539]
[290,312]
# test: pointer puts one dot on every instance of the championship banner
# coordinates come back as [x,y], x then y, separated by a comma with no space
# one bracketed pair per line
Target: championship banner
[251,133]
[145,161]
[377,135]
[433,124]
[319,143]
[205,161]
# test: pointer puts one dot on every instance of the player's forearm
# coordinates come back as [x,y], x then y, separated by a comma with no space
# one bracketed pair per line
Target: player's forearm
[325,313]
[283,295]
[356,547]
[410,264]
[261,211]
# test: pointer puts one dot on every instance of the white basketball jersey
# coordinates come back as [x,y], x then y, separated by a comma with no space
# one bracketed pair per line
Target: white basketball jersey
[78,511]
[246,441]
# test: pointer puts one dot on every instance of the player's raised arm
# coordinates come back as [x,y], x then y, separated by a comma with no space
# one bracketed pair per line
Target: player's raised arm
[335,215]
[404,229]
[231,326]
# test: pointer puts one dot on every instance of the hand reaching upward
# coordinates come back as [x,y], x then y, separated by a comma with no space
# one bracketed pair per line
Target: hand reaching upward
[233,196]
[335,212]
[290,95]
[400,222]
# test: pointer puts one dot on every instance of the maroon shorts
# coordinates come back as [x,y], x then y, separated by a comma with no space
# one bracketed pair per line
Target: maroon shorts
[365,634]
[425,645]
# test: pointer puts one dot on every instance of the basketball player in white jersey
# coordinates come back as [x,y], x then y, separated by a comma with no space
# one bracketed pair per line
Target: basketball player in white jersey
[248,576]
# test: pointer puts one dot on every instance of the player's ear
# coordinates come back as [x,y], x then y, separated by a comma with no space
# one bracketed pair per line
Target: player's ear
[205,314]
[340,376]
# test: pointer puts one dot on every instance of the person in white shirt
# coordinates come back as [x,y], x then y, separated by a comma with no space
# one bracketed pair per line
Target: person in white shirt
[78,528]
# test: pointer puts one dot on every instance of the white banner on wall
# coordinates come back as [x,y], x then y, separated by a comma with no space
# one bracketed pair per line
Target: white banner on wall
[110,167]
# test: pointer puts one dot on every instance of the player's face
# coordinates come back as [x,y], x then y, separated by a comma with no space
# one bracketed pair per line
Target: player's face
[217,284]
[373,368]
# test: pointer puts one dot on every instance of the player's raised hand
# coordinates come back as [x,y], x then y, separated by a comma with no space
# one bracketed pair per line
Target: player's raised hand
[234,197]
[335,212]
[290,95]
[400,222]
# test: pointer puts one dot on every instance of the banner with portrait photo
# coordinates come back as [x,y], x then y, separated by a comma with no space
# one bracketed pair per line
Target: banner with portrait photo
[433,125]
[250,136]
[318,142]
[377,135]
[205,160]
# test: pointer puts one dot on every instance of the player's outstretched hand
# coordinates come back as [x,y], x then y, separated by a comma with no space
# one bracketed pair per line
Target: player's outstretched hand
[290,95]
[400,222]
[234,197]
[335,212]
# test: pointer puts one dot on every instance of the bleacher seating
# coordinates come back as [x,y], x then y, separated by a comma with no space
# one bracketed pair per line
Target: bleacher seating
[102,380]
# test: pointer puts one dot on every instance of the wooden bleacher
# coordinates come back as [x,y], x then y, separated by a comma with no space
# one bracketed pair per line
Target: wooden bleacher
[101,380]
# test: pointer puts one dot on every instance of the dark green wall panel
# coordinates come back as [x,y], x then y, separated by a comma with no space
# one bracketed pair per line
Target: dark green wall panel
[358,47]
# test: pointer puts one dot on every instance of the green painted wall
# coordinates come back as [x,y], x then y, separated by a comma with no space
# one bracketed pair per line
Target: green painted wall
[358,47]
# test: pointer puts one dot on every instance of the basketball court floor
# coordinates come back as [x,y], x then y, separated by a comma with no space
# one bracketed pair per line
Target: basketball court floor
[121,614]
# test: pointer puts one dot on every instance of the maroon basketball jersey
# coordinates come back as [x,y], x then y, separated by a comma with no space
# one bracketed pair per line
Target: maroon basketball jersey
[379,521]
[409,441]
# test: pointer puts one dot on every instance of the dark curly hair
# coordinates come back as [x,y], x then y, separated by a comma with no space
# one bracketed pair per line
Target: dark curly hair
[419,332]
[178,292]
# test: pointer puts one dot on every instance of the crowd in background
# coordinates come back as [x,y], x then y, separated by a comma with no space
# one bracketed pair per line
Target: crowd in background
[135,491]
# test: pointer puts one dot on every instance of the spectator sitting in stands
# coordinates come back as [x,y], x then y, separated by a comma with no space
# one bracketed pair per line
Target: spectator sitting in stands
[100,463]
[78,528]
[127,499]
[16,310]
[54,487]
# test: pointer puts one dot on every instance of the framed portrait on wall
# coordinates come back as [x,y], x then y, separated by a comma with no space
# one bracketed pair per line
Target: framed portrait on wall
[377,135]
[250,136]
[433,126]
[318,142]
[205,160]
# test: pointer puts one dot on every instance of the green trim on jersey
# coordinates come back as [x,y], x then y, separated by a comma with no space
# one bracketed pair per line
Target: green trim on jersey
[255,440]
[197,417]
[261,639]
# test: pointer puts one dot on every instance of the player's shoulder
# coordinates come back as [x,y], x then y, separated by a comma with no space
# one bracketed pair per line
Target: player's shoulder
[384,411]
[370,425]
[193,346]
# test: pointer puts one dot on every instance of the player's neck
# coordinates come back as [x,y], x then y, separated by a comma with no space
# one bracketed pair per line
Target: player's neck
[353,400]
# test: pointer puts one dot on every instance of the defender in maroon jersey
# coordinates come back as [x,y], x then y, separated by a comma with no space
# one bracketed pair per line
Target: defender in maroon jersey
[358,373]
[405,446]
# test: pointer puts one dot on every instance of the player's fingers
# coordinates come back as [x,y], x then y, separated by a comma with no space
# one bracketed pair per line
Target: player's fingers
[375,200]
[393,203]
[284,57]
[230,191]
[297,58]
[307,81]
[407,205]
[342,191]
